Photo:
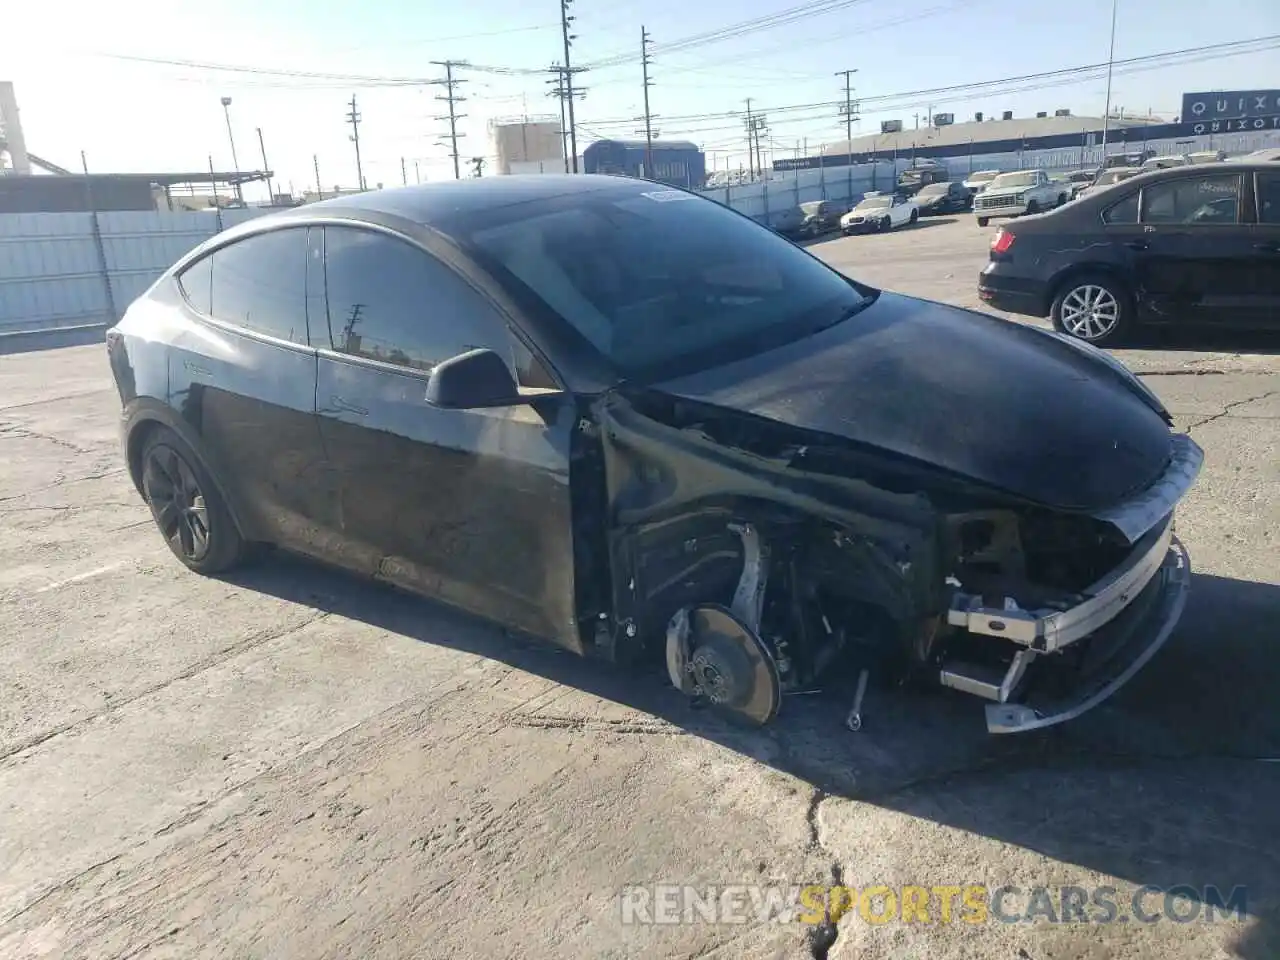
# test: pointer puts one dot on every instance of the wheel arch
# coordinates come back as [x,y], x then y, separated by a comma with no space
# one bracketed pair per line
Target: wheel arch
[142,421]
[1076,270]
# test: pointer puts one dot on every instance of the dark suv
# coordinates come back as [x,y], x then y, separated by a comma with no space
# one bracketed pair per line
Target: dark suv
[1191,244]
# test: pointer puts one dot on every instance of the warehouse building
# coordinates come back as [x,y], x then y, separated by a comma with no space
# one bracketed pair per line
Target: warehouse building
[1062,133]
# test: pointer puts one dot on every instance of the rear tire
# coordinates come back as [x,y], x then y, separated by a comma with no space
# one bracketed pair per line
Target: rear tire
[1093,307]
[187,507]
[915,215]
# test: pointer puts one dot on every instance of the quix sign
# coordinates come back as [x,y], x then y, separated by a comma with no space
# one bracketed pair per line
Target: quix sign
[1230,111]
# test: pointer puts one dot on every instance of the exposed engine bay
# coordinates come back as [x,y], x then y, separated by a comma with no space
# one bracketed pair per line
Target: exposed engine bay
[752,557]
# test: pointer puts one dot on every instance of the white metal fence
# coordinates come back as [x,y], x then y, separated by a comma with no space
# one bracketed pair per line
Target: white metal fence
[64,270]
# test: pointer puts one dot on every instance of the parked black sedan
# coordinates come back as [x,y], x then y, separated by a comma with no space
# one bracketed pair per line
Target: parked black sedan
[1190,244]
[951,197]
[632,422]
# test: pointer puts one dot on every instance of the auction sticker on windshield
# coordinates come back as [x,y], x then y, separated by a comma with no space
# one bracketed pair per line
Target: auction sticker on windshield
[666,196]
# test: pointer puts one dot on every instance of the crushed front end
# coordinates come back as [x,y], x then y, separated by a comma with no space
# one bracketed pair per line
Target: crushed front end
[753,557]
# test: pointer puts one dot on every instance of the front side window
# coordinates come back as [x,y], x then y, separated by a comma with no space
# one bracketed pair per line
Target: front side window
[1192,200]
[663,282]
[260,283]
[390,301]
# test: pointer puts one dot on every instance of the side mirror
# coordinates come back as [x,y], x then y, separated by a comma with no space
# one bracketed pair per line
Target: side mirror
[472,380]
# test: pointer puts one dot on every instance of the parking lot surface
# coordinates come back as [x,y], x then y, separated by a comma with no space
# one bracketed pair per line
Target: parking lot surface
[291,763]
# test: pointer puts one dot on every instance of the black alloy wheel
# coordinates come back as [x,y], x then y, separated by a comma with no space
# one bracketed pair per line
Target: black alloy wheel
[187,507]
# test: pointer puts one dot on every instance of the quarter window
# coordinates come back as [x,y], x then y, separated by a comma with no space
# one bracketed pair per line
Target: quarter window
[1269,198]
[390,301]
[1122,212]
[1192,200]
[197,284]
[259,283]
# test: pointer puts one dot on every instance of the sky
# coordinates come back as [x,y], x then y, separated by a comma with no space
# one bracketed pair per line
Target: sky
[77,91]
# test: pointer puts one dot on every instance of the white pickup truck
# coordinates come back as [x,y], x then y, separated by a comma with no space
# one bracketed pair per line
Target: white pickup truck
[1013,194]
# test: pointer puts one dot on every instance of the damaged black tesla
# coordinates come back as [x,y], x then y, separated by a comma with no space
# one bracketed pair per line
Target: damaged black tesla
[632,422]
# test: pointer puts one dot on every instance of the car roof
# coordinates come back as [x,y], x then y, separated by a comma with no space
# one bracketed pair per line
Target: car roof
[432,203]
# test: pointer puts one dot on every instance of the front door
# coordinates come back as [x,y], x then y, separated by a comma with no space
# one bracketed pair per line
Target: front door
[471,506]
[1193,254]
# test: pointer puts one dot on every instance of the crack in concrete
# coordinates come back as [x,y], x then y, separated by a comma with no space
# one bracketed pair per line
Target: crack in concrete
[649,727]
[1226,410]
[821,937]
[59,887]
[11,429]
[198,667]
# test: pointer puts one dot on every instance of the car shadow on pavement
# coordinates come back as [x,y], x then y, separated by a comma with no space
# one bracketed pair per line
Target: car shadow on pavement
[1202,339]
[1166,784]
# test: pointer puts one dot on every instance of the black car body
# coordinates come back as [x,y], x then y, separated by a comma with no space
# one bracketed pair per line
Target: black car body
[912,180]
[630,421]
[821,216]
[1192,244]
[949,197]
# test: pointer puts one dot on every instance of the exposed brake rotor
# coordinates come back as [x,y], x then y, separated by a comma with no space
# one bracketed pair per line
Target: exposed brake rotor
[711,653]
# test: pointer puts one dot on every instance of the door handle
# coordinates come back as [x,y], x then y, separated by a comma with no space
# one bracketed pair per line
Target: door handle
[1268,247]
[1138,245]
[340,404]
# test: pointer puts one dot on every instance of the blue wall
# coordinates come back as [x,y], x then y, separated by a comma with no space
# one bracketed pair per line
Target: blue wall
[679,165]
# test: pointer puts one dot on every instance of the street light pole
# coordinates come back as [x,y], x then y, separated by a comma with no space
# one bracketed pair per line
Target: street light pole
[226,110]
[1111,56]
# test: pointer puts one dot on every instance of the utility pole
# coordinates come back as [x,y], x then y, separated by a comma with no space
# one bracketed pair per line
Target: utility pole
[404,173]
[645,61]
[566,93]
[353,118]
[235,163]
[451,97]
[1111,56]
[850,113]
[417,174]
[315,162]
[565,20]
[755,123]
[266,168]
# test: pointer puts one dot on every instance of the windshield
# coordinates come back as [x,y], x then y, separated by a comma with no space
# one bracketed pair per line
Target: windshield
[935,190]
[664,283]
[1114,176]
[982,176]
[1014,180]
[874,203]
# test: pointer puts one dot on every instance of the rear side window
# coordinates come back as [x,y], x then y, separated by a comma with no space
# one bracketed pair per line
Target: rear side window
[1193,200]
[260,284]
[1125,211]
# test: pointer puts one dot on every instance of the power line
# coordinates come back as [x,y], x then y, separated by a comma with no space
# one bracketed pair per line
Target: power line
[735,30]
[353,118]
[451,97]
[1066,74]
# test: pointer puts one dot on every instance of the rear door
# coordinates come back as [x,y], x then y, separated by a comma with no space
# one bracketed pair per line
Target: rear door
[471,506]
[1265,250]
[245,382]
[1194,253]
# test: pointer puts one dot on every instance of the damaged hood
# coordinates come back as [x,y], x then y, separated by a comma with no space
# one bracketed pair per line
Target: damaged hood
[1002,403]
